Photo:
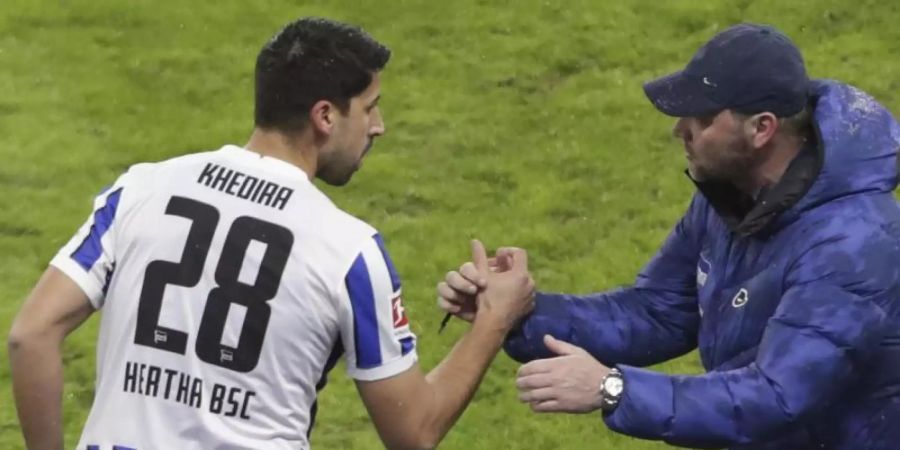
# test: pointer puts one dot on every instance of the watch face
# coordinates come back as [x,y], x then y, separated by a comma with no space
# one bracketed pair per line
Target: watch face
[613,386]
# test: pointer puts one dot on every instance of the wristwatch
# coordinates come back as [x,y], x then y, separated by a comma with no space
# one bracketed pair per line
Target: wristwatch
[611,388]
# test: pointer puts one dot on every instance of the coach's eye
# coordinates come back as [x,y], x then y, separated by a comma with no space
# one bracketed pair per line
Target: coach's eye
[706,121]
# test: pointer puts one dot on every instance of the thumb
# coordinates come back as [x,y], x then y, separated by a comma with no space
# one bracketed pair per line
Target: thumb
[479,257]
[561,347]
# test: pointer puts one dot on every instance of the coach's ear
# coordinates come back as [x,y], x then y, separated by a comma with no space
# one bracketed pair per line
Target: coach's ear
[322,115]
[759,128]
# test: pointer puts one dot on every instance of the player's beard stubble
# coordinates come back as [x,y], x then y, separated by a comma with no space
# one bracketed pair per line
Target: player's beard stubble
[338,168]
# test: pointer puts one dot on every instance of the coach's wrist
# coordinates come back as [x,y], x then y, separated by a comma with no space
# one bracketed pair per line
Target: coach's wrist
[612,388]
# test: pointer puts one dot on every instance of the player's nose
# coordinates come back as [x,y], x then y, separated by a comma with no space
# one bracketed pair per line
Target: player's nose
[377,127]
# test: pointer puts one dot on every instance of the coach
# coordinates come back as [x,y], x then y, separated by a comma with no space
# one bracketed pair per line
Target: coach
[784,272]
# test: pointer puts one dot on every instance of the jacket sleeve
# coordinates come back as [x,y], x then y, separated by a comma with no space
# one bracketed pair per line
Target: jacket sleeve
[828,323]
[655,320]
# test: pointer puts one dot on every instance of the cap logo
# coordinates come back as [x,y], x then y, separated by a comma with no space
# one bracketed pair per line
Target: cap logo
[709,83]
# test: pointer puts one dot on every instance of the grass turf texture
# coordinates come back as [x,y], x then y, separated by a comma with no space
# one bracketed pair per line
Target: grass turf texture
[521,123]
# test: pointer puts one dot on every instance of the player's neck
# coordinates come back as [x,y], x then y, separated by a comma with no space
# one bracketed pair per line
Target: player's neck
[292,149]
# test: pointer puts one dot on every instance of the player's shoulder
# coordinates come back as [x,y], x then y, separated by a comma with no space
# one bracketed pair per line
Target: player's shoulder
[357,227]
[333,231]
[341,227]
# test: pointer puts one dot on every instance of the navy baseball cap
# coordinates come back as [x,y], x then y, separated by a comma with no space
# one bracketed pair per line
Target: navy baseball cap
[747,68]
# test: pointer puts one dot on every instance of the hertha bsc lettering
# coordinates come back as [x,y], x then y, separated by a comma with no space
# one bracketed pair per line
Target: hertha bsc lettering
[165,384]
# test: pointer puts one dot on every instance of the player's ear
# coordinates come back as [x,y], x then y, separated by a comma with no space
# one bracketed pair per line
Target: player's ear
[322,115]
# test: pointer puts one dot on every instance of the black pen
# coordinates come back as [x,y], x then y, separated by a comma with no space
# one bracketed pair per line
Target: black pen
[444,322]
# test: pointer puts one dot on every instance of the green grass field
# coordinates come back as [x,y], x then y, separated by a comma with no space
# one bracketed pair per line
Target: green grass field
[521,123]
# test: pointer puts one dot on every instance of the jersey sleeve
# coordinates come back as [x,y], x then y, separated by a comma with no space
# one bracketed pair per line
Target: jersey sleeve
[89,257]
[374,327]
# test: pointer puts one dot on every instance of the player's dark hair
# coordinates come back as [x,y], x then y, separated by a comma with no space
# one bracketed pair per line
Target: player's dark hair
[309,60]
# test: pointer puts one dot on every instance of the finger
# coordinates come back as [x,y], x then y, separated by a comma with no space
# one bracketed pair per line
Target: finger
[559,347]
[507,250]
[460,284]
[461,311]
[471,273]
[546,406]
[504,263]
[537,395]
[451,308]
[479,257]
[504,256]
[536,381]
[517,257]
[535,367]
[448,293]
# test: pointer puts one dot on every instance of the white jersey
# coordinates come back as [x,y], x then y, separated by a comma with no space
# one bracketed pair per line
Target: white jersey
[229,285]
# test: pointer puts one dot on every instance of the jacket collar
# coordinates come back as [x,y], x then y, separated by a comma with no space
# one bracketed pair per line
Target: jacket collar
[744,215]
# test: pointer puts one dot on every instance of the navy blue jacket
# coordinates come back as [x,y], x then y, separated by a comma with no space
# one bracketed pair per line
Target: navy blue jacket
[795,306]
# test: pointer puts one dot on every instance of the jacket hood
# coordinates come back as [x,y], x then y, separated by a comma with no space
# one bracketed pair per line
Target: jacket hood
[859,140]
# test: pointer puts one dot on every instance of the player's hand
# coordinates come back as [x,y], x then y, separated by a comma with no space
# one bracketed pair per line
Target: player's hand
[568,383]
[456,293]
[508,293]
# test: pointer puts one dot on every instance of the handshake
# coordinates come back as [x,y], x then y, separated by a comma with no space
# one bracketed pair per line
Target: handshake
[498,290]
[501,291]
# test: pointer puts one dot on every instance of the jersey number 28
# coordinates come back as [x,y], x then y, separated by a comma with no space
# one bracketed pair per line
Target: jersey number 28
[187,272]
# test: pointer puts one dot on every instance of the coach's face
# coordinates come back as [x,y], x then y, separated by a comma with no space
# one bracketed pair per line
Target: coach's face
[352,135]
[715,147]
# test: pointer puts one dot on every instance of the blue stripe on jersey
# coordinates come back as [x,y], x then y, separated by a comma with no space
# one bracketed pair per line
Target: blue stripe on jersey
[406,345]
[93,447]
[90,249]
[122,447]
[365,319]
[336,353]
[395,278]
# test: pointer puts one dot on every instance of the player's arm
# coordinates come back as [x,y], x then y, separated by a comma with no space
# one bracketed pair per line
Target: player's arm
[414,410]
[67,293]
[55,307]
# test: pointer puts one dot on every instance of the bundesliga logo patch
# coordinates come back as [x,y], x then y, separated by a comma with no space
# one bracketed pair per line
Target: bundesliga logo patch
[400,319]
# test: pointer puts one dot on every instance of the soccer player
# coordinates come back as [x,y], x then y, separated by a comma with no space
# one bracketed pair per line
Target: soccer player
[230,285]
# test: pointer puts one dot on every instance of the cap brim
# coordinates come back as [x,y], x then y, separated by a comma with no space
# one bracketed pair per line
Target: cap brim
[680,95]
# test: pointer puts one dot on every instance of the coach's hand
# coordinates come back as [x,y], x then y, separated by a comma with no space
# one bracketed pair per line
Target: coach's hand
[456,294]
[569,382]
